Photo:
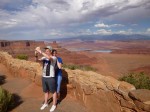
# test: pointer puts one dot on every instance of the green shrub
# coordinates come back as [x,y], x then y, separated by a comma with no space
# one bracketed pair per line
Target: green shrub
[81,67]
[22,57]
[139,80]
[6,100]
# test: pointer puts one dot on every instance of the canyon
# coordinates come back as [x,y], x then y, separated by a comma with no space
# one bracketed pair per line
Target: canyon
[89,91]
[96,92]
[115,64]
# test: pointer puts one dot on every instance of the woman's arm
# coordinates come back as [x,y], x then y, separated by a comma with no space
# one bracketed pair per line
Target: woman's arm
[59,64]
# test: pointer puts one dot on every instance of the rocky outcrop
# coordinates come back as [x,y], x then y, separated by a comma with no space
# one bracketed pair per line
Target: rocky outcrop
[97,92]
[101,93]
[141,98]
[20,68]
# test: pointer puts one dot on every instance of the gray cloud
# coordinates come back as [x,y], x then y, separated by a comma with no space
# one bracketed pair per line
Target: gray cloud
[112,9]
[22,17]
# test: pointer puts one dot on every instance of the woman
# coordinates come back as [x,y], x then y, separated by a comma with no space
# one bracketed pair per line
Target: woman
[58,73]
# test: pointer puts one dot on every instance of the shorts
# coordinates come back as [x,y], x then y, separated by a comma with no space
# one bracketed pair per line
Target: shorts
[49,84]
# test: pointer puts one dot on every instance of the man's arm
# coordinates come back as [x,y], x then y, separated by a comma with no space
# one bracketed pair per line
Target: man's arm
[37,59]
[45,55]
[36,56]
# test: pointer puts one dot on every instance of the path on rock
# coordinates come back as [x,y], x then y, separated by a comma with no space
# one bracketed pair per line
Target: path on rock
[31,97]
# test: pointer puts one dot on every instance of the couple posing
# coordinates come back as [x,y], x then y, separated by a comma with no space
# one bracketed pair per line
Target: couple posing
[51,75]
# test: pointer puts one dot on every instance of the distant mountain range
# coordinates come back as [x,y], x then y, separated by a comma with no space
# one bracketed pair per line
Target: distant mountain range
[114,37]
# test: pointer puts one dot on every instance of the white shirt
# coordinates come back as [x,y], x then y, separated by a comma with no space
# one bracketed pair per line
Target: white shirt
[52,66]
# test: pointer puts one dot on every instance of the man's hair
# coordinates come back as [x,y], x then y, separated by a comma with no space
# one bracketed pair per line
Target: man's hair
[48,49]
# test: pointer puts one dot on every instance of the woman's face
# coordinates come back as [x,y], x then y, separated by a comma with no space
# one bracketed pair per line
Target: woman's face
[47,51]
[55,53]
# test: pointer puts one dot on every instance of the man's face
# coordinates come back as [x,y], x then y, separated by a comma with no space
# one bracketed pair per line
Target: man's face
[47,51]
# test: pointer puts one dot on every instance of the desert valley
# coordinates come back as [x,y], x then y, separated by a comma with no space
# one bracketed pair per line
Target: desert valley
[112,58]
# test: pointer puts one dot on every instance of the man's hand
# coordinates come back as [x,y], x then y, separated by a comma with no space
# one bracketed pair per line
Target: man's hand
[38,49]
[36,54]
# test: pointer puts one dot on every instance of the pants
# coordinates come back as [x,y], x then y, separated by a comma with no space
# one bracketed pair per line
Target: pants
[58,83]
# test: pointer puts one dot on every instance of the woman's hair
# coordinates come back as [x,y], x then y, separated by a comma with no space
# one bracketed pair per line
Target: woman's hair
[54,50]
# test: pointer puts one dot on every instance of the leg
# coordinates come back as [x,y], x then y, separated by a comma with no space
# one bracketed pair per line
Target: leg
[52,84]
[45,101]
[46,94]
[54,102]
[54,98]
[46,97]
[59,79]
[45,90]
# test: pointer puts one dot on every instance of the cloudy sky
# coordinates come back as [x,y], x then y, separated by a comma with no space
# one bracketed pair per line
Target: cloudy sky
[41,19]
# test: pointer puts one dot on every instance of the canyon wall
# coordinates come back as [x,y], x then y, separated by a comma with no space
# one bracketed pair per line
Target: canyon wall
[23,47]
[20,47]
[97,92]
[26,47]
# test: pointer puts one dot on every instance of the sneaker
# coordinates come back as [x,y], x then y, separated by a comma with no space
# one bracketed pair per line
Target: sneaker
[53,108]
[44,106]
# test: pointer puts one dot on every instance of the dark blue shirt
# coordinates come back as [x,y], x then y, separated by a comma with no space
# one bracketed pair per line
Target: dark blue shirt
[59,71]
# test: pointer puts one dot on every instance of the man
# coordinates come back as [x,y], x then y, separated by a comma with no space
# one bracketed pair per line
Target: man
[48,76]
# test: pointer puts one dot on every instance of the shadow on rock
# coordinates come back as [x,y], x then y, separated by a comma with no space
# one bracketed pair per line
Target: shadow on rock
[2,79]
[16,101]
[50,100]
[63,91]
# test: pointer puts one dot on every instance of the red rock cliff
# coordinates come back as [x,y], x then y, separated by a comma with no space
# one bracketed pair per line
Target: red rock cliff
[97,92]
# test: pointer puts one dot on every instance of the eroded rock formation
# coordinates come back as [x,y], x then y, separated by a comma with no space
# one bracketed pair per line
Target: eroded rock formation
[97,92]
[20,47]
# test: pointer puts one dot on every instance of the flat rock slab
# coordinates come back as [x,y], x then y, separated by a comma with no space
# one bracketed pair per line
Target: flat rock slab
[33,105]
[31,97]
[142,95]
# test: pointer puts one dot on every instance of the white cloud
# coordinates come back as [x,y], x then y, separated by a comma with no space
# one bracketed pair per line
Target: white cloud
[85,32]
[53,32]
[52,12]
[123,32]
[102,25]
[148,30]
[116,25]
[110,32]
[134,24]
[103,32]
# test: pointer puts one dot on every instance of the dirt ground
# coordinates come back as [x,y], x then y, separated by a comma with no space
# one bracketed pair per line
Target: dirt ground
[129,56]
[117,65]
